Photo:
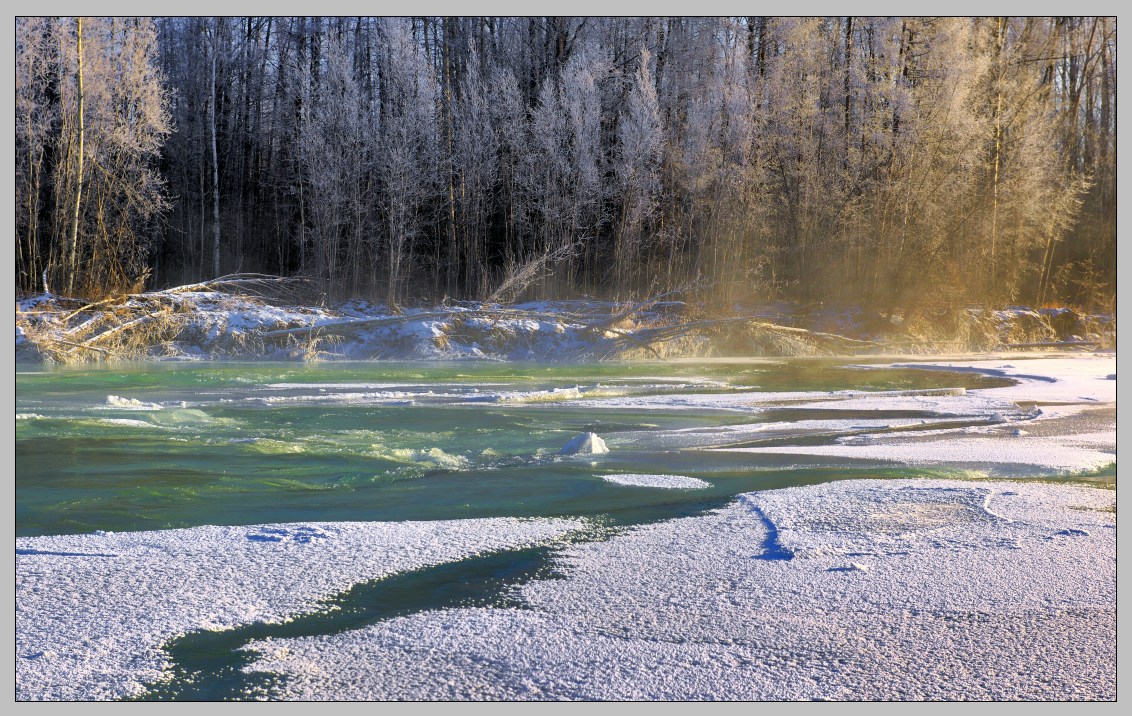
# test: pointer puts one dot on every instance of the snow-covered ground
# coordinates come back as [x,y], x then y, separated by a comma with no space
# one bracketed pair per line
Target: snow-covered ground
[207,322]
[204,324]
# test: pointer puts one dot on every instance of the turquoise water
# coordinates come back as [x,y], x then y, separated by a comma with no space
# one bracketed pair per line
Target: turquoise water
[168,445]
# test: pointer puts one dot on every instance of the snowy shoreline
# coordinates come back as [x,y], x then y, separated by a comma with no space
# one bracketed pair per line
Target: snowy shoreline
[203,322]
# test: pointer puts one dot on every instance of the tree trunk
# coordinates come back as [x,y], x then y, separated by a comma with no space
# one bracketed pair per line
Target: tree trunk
[848,85]
[999,38]
[453,253]
[71,261]
[215,163]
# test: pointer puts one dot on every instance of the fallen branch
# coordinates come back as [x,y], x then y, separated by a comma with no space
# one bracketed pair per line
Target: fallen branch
[1053,344]
[670,332]
[61,341]
[123,327]
[652,301]
[519,276]
[234,279]
[633,339]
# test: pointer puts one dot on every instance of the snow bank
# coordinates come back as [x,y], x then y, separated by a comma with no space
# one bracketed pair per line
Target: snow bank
[848,590]
[92,611]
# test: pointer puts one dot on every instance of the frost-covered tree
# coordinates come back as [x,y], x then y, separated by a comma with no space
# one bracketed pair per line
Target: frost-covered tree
[36,116]
[409,153]
[852,158]
[92,114]
[337,144]
[640,139]
[476,157]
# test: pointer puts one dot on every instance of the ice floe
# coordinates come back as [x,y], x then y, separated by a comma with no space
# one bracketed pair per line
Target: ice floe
[671,482]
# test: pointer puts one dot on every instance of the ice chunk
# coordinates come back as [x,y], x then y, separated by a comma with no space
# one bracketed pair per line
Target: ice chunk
[116,401]
[585,444]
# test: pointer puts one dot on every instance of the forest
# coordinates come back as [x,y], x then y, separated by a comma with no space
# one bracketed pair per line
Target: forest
[876,161]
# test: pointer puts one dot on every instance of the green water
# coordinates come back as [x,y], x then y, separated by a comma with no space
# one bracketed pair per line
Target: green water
[186,444]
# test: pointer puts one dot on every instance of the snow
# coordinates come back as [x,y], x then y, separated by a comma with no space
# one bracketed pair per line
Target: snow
[115,401]
[1062,454]
[92,611]
[585,444]
[1047,380]
[670,482]
[1063,387]
[873,590]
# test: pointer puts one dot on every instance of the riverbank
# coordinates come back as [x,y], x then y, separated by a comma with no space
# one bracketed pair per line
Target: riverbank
[254,318]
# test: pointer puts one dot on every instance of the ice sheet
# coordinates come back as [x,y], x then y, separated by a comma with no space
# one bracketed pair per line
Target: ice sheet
[92,611]
[849,590]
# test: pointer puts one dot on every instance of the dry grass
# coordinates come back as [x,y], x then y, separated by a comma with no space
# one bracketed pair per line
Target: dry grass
[111,331]
[131,326]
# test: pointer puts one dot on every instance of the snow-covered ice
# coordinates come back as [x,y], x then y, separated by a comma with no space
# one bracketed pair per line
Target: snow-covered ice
[585,444]
[1077,382]
[1063,454]
[671,482]
[93,610]
[1047,389]
[903,589]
